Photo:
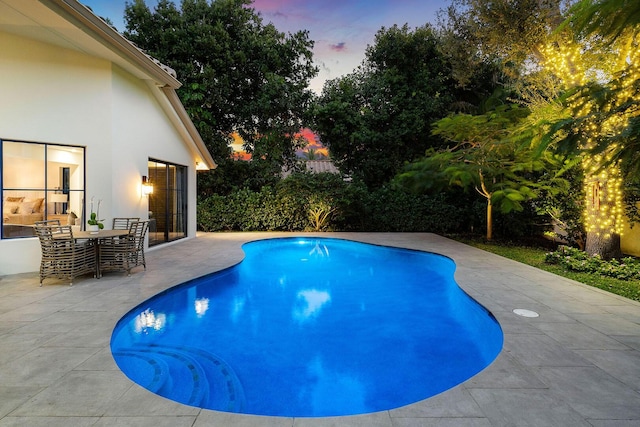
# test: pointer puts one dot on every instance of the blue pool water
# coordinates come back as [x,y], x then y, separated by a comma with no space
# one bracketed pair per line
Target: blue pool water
[310,327]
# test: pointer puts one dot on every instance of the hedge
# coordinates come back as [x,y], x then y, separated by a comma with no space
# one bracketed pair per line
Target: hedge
[298,202]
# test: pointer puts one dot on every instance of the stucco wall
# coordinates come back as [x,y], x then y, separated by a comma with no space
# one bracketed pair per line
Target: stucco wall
[630,240]
[54,95]
[143,131]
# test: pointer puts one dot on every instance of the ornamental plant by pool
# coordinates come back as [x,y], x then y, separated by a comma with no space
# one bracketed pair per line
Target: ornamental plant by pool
[310,327]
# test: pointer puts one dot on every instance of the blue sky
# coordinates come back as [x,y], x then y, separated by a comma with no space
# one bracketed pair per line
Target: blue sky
[341,29]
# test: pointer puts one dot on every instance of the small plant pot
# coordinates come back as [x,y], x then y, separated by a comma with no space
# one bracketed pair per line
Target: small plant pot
[93,229]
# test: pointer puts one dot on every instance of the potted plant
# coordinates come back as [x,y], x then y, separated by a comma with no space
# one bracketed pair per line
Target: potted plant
[95,224]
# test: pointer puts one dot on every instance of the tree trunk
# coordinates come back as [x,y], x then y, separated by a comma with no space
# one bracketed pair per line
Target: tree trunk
[489,219]
[605,247]
[603,214]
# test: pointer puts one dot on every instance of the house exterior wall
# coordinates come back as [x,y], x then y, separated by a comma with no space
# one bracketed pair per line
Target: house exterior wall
[143,132]
[55,95]
[630,239]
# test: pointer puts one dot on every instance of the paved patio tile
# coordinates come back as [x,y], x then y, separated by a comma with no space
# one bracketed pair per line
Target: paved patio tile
[6,327]
[454,403]
[151,421]
[614,423]
[541,350]
[624,365]
[43,366]
[441,422]
[577,336]
[136,397]
[378,419]
[31,312]
[213,418]
[77,394]
[629,340]
[48,421]
[12,397]
[575,365]
[610,324]
[14,346]
[506,372]
[526,408]
[101,361]
[593,393]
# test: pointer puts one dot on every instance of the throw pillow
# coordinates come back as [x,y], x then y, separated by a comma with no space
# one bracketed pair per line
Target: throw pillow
[11,207]
[25,208]
[38,204]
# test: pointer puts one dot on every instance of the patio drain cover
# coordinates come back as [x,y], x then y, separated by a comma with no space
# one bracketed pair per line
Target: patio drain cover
[525,313]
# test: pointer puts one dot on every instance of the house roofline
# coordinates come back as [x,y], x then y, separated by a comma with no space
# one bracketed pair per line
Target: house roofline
[178,107]
[163,77]
[96,27]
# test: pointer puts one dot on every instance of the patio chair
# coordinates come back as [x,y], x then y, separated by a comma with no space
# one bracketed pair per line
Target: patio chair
[47,222]
[63,257]
[125,252]
[139,231]
[123,223]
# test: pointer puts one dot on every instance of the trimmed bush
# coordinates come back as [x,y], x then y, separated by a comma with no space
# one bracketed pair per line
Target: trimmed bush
[325,202]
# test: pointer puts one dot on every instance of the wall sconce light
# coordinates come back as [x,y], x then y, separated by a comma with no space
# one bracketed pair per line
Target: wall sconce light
[200,166]
[147,187]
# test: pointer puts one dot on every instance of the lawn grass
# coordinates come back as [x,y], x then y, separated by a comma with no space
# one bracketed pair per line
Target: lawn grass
[534,256]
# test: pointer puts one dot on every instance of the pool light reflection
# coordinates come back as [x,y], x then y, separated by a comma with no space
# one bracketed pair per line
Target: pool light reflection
[149,320]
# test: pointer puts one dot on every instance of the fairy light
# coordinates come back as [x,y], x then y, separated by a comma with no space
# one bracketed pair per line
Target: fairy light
[603,198]
[604,208]
[564,60]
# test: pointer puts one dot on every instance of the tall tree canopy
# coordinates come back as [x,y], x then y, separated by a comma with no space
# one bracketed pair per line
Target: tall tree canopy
[578,77]
[503,32]
[610,101]
[239,75]
[379,116]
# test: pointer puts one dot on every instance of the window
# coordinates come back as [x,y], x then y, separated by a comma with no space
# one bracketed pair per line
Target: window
[40,181]
[168,202]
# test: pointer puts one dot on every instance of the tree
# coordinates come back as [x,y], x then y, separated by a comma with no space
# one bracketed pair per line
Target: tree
[609,103]
[379,116]
[486,157]
[503,33]
[601,119]
[548,64]
[239,75]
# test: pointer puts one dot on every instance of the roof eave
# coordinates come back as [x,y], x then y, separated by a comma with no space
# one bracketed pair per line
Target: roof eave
[107,35]
[205,161]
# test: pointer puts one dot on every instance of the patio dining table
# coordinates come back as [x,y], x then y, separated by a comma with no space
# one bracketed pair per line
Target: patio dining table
[98,237]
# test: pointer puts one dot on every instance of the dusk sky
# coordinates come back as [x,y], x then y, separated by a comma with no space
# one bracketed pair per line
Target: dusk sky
[341,29]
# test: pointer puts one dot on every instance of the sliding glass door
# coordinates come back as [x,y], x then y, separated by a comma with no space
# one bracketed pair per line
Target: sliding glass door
[168,202]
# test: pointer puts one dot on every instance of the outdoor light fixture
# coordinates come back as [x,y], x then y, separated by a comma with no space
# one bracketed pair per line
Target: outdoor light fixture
[147,187]
[58,198]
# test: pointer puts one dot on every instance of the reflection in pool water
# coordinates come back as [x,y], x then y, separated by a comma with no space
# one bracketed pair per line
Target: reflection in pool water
[310,327]
[309,303]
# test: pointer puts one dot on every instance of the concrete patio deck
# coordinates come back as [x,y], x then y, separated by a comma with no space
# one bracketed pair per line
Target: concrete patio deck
[577,364]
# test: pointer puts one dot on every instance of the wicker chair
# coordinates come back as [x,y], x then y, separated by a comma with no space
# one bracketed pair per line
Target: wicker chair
[62,256]
[126,252]
[48,222]
[139,231]
[123,223]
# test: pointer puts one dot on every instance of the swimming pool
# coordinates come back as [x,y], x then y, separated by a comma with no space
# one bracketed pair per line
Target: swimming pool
[310,327]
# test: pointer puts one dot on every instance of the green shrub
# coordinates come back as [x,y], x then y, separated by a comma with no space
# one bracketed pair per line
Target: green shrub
[305,201]
[576,260]
[216,214]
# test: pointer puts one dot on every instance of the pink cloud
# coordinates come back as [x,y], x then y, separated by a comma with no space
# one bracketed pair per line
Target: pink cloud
[339,47]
